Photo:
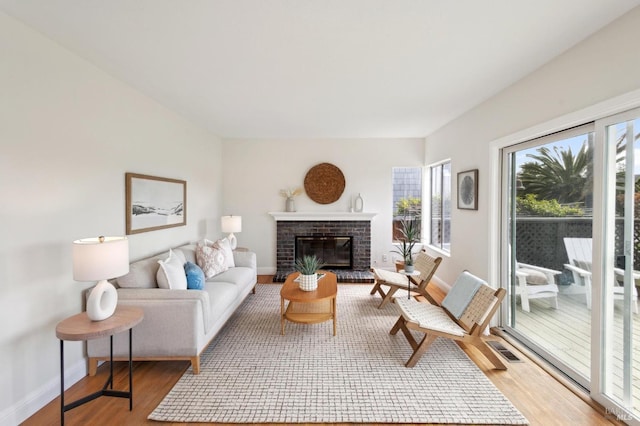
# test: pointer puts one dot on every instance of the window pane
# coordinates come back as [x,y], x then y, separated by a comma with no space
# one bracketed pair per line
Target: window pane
[407,196]
[446,206]
[440,219]
[436,206]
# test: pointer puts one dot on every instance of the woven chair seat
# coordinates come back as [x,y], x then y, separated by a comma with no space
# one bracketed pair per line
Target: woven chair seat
[428,316]
[390,277]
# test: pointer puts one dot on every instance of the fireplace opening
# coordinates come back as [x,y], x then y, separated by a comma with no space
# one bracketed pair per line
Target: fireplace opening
[335,252]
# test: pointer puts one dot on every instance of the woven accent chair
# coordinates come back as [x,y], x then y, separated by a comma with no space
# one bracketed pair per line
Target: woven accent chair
[463,316]
[423,263]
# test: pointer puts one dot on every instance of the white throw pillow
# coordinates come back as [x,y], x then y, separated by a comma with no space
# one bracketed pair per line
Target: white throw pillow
[171,273]
[210,259]
[225,246]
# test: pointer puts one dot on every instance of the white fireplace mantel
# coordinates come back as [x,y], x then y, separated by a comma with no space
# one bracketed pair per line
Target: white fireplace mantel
[316,216]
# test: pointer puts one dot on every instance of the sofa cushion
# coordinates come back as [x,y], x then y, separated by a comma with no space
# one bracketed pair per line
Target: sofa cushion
[237,276]
[210,259]
[195,276]
[222,295]
[188,251]
[179,255]
[171,273]
[142,273]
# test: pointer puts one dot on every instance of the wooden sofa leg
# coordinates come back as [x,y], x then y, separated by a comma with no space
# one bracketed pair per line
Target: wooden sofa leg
[93,366]
[195,364]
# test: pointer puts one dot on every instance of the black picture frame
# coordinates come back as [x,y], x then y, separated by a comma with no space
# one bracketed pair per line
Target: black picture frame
[468,190]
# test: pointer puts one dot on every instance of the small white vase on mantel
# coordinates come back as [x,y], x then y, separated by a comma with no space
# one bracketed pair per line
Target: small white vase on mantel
[358,204]
[290,205]
[308,282]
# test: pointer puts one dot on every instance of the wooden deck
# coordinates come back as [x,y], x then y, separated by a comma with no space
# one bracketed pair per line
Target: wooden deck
[566,333]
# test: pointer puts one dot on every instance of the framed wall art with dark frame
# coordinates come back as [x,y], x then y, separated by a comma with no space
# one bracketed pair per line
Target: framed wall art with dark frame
[468,190]
[154,203]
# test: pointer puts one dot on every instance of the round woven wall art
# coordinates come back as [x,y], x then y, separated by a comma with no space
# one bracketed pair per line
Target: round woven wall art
[324,183]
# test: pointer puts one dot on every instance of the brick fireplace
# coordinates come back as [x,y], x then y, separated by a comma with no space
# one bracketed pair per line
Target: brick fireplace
[356,226]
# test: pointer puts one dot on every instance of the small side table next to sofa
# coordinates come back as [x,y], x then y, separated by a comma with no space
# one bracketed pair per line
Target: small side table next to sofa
[79,328]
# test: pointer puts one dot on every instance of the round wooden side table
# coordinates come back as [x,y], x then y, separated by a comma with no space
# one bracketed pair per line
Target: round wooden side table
[80,328]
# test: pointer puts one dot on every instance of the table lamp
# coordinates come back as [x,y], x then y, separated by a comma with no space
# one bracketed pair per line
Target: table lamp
[231,224]
[99,259]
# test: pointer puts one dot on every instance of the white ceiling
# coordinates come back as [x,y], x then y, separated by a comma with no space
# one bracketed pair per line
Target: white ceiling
[318,68]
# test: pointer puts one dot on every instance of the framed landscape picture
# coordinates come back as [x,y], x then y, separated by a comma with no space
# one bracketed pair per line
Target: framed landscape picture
[154,203]
[468,190]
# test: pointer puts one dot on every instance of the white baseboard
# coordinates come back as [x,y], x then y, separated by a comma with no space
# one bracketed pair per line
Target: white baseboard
[34,401]
[267,270]
[441,284]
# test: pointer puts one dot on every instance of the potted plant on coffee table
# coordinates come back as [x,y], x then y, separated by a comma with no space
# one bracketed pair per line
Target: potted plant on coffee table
[308,267]
[409,237]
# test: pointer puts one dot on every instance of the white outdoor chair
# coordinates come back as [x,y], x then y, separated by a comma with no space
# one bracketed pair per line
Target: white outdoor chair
[580,257]
[535,282]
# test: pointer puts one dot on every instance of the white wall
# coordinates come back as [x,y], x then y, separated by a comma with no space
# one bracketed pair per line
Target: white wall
[256,170]
[601,67]
[68,134]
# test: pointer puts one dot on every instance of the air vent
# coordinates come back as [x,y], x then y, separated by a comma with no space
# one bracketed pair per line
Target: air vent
[502,350]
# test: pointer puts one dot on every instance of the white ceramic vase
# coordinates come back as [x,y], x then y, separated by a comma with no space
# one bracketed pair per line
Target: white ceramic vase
[308,282]
[358,204]
[290,205]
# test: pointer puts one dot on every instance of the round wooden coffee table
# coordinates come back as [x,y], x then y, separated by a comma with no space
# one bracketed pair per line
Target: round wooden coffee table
[309,307]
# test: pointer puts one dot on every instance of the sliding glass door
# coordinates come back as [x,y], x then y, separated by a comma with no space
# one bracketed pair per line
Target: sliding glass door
[570,255]
[619,367]
[549,197]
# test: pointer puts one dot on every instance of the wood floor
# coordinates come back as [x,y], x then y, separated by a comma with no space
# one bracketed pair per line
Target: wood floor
[539,397]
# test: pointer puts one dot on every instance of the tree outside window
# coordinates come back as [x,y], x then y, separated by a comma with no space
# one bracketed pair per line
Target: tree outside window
[407,197]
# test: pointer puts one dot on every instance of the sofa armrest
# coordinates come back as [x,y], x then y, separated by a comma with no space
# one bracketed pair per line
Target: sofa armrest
[246,259]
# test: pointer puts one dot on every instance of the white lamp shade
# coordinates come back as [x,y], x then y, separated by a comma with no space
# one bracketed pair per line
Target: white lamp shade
[101,258]
[231,223]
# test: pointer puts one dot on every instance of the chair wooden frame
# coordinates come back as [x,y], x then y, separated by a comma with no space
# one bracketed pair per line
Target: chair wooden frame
[473,323]
[424,264]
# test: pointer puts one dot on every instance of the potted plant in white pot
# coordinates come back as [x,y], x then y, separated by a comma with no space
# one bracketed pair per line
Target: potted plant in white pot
[409,237]
[308,267]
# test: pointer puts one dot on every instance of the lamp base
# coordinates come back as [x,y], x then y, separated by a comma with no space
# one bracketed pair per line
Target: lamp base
[233,241]
[102,301]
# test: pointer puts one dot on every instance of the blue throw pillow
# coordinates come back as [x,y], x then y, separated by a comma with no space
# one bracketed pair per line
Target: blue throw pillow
[195,276]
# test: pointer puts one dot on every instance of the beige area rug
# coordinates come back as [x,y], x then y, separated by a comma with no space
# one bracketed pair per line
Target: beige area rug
[252,374]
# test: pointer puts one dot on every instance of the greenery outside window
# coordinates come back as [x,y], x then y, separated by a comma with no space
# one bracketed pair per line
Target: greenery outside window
[407,197]
[440,211]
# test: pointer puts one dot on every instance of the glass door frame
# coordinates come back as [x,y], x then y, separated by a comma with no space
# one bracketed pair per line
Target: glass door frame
[498,187]
[604,194]
[508,269]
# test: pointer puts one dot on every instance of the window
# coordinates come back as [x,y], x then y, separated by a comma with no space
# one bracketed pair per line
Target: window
[440,212]
[407,196]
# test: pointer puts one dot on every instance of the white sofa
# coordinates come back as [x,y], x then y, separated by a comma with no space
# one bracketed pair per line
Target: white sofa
[177,324]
